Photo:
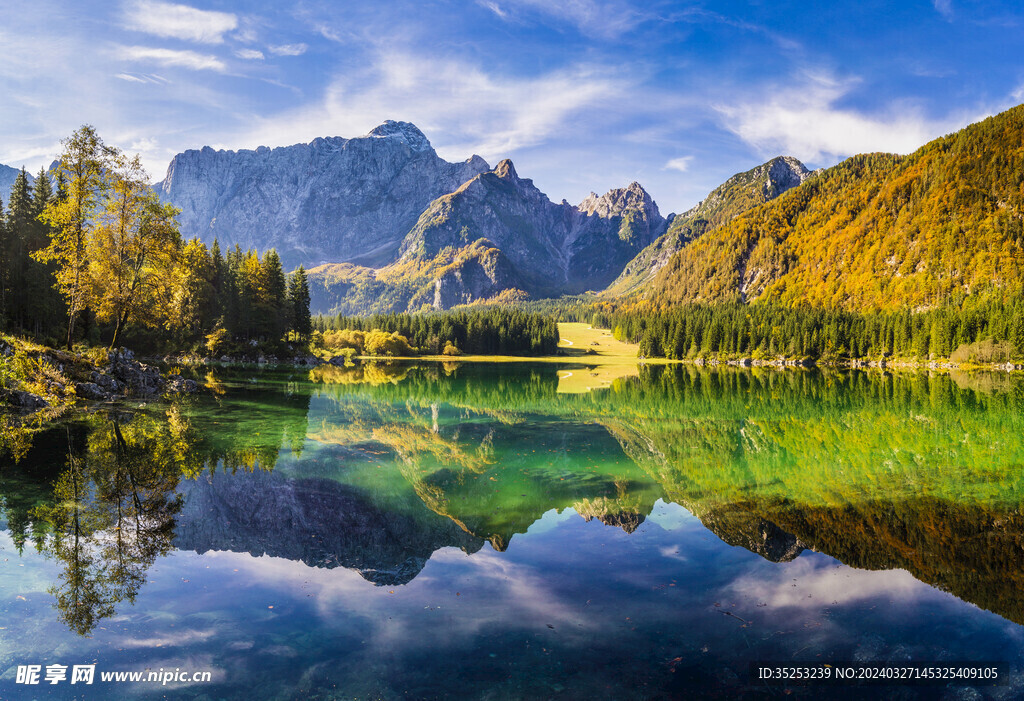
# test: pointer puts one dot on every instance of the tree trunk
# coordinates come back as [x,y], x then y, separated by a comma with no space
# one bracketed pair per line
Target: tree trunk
[71,328]
[122,321]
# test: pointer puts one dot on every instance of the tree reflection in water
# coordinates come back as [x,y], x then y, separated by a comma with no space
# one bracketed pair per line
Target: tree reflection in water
[113,514]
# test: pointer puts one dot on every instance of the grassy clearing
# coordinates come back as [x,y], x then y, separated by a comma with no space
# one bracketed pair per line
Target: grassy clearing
[600,357]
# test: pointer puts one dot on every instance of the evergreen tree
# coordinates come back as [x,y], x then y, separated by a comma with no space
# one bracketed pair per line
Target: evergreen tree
[20,223]
[298,301]
[274,313]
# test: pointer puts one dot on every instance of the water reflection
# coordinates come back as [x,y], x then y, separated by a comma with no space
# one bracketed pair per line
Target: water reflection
[379,468]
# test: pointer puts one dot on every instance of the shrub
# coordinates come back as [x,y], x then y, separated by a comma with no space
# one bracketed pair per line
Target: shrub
[987,351]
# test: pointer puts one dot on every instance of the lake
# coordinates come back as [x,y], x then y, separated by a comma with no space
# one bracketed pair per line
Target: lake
[465,531]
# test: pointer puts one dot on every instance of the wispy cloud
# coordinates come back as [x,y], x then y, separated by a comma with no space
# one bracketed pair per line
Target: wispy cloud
[804,120]
[148,78]
[166,19]
[288,49]
[944,8]
[172,57]
[249,54]
[595,18]
[471,111]
[682,164]
[494,7]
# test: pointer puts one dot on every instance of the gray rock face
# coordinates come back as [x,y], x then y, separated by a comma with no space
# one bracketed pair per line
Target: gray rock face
[331,200]
[480,277]
[551,248]
[784,173]
[90,390]
[129,374]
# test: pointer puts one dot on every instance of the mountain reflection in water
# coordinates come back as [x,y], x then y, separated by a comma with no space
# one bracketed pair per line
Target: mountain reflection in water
[376,469]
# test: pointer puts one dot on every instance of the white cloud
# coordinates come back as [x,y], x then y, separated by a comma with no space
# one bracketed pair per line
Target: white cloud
[804,121]
[608,19]
[249,54]
[144,144]
[682,164]
[823,583]
[171,57]
[494,7]
[456,104]
[288,49]
[166,19]
[131,78]
[944,8]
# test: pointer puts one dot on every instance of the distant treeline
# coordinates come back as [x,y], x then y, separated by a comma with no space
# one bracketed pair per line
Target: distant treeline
[486,331]
[979,328]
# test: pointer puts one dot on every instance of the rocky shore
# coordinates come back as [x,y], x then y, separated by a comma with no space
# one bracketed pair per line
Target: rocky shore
[125,377]
[45,378]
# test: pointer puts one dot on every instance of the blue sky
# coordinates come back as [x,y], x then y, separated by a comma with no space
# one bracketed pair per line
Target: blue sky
[582,94]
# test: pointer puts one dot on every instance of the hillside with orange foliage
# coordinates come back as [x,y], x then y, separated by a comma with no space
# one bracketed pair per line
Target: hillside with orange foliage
[877,231]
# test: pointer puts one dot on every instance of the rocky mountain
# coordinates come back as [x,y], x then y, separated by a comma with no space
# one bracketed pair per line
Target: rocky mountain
[876,231]
[7,178]
[497,237]
[552,248]
[331,200]
[737,195]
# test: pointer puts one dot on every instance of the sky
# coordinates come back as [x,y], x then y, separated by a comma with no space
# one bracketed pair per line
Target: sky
[583,95]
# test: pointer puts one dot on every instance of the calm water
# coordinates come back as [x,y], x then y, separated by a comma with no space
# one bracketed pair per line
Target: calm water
[467,532]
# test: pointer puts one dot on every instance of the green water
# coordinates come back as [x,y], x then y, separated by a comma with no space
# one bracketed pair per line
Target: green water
[447,531]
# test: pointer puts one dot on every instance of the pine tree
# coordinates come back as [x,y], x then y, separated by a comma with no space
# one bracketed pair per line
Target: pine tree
[20,222]
[298,301]
[274,312]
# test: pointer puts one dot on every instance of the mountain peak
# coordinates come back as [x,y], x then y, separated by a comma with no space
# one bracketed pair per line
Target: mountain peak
[506,170]
[784,172]
[407,132]
[617,200]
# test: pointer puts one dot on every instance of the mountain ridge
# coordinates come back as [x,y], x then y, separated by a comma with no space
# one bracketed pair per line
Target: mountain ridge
[333,199]
[736,195]
[7,177]
[875,231]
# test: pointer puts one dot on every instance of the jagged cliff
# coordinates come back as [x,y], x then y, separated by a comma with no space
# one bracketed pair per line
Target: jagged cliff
[553,248]
[331,200]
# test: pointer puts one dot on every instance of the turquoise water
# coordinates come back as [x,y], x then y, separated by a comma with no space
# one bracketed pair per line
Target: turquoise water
[467,532]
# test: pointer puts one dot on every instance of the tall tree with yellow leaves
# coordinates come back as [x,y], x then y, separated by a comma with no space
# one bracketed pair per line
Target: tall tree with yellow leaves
[85,166]
[132,248]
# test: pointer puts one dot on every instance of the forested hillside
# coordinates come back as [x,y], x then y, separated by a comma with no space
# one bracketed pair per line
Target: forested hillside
[877,231]
[737,195]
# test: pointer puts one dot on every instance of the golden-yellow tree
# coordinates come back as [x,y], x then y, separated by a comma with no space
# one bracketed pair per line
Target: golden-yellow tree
[85,166]
[132,248]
